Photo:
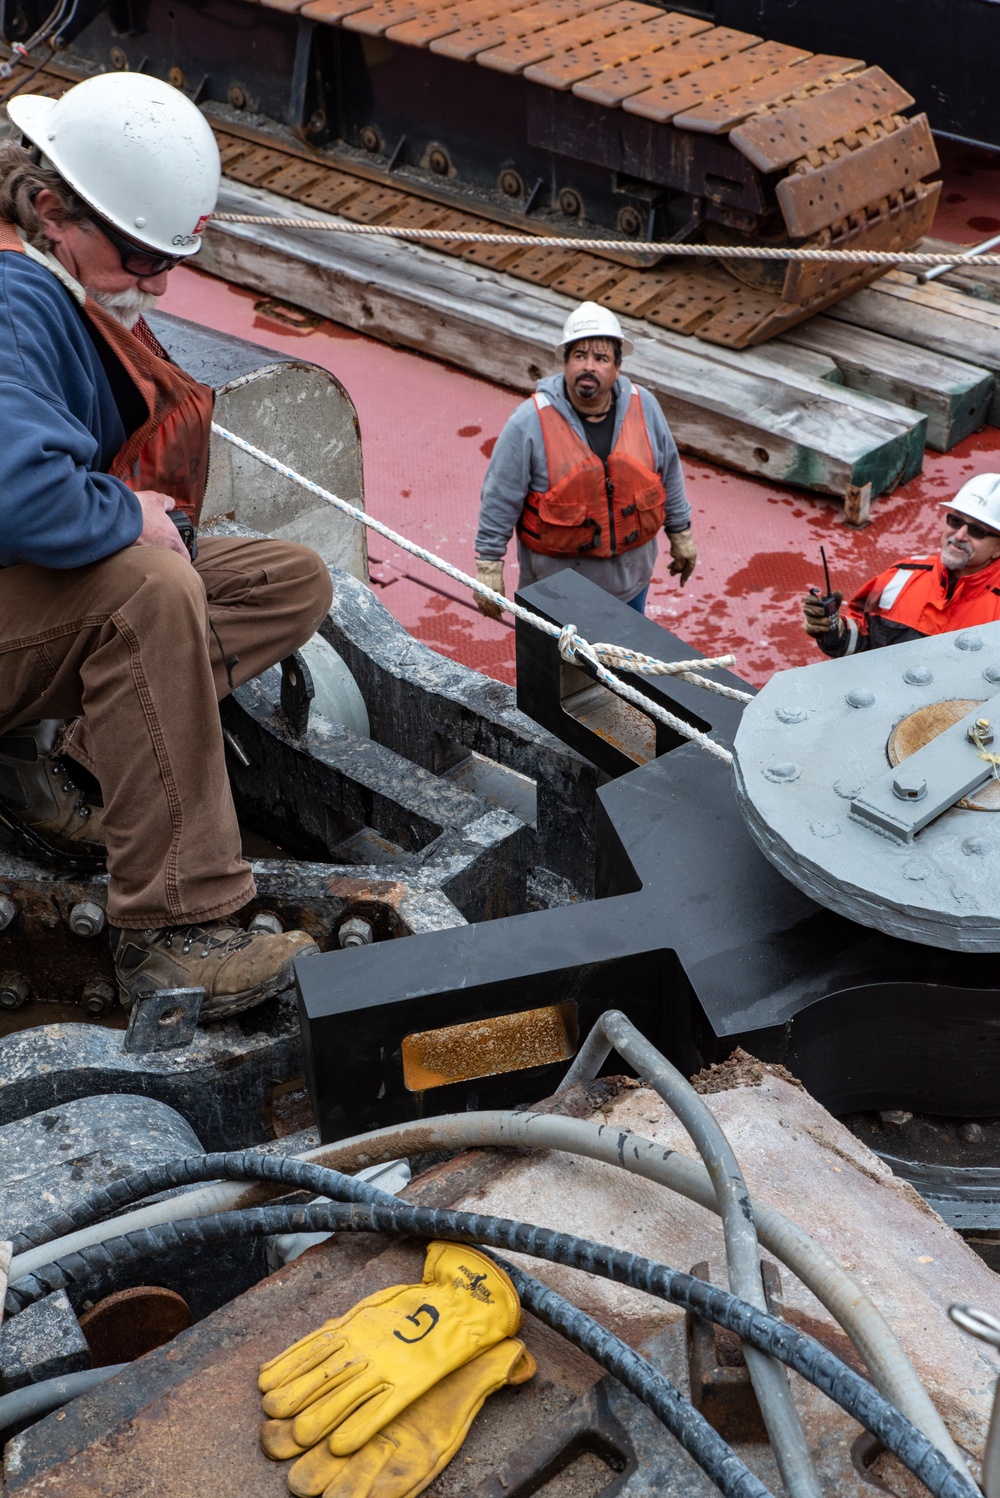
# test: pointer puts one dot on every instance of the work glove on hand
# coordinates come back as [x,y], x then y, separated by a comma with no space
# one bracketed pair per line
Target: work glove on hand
[684,553]
[359,1371]
[817,621]
[490,574]
[405,1457]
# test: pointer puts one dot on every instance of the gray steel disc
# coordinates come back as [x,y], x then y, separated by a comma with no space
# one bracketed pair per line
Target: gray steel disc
[816,736]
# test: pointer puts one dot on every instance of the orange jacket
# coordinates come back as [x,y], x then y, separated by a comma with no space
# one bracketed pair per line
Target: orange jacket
[916,597]
[169,450]
[592,509]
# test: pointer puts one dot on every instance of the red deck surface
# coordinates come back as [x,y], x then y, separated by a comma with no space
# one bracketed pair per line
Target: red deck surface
[427,432]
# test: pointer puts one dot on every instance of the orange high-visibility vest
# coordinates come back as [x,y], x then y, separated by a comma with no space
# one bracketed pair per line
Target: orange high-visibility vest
[169,450]
[589,510]
[914,593]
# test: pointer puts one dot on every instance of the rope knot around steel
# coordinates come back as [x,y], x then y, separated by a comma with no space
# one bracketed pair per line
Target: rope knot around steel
[572,647]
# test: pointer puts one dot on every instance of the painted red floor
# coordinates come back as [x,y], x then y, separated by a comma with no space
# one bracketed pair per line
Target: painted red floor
[427,432]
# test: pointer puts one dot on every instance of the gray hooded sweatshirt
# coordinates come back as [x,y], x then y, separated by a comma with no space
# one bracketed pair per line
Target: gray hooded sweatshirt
[518,468]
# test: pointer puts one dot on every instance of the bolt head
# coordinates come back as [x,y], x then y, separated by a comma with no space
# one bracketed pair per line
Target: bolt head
[266,920]
[908,786]
[86,919]
[355,933]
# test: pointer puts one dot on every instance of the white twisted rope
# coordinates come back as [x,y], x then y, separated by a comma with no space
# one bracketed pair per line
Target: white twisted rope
[571,646]
[957,258]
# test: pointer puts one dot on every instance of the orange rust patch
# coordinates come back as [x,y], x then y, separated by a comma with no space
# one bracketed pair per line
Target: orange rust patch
[487,1047]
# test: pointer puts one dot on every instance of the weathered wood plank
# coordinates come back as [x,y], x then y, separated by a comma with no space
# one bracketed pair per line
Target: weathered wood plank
[953,395]
[739,409]
[982,281]
[931,317]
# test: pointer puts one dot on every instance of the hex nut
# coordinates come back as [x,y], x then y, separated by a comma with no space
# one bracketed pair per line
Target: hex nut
[267,921]
[86,919]
[355,933]
[908,786]
[14,990]
[98,997]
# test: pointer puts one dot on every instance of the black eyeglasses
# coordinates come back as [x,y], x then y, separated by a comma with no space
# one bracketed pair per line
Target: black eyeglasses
[135,260]
[976,532]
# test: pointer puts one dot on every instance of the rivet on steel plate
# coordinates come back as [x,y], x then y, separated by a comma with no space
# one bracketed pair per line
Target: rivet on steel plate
[908,787]
[791,714]
[8,910]
[860,697]
[783,772]
[968,641]
[918,676]
[916,869]
[846,789]
[86,919]
[978,847]
[992,674]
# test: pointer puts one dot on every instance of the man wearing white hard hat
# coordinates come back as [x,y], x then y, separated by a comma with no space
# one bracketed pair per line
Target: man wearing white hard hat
[117,636]
[919,596]
[587,473]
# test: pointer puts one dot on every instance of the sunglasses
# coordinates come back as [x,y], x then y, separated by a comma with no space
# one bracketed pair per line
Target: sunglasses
[135,260]
[975,532]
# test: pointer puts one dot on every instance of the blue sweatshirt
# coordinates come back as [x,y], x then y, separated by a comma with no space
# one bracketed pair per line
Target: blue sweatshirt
[59,430]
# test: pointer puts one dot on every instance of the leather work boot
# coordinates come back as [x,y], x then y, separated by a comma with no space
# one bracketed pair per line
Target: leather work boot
[41,803]
[236,968]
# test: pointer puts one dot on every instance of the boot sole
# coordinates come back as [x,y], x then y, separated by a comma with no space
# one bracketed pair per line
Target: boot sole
[46,853]
[225,1006]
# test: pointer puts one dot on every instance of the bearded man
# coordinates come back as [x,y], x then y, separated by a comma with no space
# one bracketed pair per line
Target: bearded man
[115,642]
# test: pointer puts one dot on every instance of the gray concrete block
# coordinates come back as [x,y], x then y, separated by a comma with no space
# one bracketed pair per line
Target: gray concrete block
[44,1341]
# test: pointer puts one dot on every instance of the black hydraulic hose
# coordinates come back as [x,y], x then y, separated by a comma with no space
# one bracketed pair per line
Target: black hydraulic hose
[385,1213]
[715,1458]
[23,1406]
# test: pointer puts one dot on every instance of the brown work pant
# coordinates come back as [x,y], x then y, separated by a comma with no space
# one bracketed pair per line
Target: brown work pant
[132,643]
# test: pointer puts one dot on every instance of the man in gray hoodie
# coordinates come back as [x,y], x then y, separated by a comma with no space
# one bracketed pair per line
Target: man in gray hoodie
[587,472]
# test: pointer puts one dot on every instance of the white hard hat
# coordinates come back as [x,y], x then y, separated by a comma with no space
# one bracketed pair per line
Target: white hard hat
[135,150]
[979,499]
[590,320]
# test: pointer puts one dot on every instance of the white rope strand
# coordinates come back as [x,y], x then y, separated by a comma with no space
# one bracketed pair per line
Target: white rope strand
[571,646]
[960,256]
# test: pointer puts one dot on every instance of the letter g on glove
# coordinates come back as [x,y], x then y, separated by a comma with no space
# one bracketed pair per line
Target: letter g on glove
[357,1372]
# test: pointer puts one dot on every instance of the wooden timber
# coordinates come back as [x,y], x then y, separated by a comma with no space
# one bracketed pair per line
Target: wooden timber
[953,395]
[742,409]
[933,317]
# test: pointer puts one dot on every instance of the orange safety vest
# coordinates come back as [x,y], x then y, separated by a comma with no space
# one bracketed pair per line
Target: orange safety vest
[588,509]
[169,450]
[914,593]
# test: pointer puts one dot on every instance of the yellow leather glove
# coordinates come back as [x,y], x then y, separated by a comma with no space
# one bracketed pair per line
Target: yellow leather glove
[490,574]
[359,1371]
[684,553]
[404,1458]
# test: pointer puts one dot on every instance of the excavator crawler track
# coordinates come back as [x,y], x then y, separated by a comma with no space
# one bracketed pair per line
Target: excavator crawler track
[573,117]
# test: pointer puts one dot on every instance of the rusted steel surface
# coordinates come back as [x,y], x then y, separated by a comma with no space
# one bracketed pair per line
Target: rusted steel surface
[129,1323]
[715,116]
[773,139]
[674,102]
[826,191]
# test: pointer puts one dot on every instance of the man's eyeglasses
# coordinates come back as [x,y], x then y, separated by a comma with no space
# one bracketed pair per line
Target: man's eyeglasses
[976,532]
[135,260]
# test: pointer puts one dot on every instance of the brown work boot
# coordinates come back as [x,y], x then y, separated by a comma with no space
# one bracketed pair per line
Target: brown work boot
[41,802]
[236,968]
